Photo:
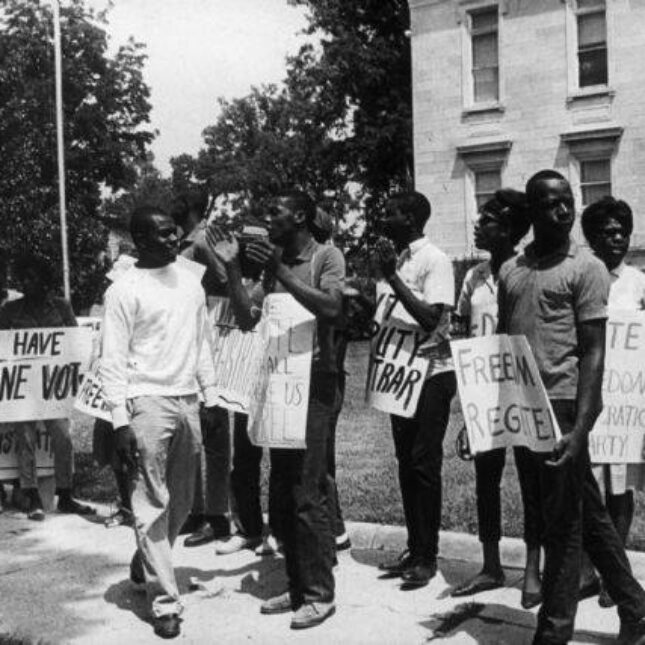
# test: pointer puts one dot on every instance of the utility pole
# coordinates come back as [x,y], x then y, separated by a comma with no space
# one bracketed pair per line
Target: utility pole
[58,61]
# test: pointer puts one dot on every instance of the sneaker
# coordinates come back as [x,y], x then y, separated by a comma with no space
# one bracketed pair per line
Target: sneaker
[343,542]
[236,543]
[311,614]
[268,546]
[277,605]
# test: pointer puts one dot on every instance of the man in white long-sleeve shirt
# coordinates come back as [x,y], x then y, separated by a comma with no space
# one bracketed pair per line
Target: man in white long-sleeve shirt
[156,358]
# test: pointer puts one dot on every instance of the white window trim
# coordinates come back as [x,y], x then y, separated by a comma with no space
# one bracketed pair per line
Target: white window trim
[466,8]
[574,90]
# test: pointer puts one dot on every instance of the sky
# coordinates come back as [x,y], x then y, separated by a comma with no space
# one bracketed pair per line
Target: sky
[200,50]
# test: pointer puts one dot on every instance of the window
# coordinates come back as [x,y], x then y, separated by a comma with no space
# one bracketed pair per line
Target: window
[484,31]
[595,180]
[486,183]
[591,19]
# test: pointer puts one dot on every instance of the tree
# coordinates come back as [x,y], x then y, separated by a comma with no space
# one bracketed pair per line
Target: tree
[105,107]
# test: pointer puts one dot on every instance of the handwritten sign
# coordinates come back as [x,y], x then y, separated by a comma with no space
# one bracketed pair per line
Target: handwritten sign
[396,372]
[282,400]
[41,371]
[238,357]
[502,395]
[618,434]
[9,452]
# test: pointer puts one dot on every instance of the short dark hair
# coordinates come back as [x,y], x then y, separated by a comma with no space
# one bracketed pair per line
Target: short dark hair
[140,220]
[596,214]
[25,262]
[414,203]
[195,199]
[542,175]
[300,202]
[511,207]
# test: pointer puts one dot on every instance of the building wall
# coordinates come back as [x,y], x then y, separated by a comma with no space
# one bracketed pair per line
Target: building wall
[538,104]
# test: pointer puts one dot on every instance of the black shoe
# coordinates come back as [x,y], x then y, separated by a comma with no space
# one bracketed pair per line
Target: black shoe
[420,574]
[136,569]
[398,566]
[167,626]
[632,633]
[203,535]
[221,526]
[531,599]
[192,524]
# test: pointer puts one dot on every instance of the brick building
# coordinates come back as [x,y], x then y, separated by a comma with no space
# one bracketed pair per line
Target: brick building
[505,88]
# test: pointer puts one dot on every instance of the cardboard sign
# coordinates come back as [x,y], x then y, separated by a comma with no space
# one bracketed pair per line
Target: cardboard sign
[9,452]
[238,357]
[396,372]
[502,395]
[279,419]
[41,371]
[618,434]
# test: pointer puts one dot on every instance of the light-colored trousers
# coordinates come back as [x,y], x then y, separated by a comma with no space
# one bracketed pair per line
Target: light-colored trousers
[168,437]
[26,434]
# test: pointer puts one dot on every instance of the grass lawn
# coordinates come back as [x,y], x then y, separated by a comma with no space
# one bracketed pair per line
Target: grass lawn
[366,468]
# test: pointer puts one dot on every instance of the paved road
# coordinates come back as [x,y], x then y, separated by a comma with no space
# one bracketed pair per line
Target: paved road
[66,581]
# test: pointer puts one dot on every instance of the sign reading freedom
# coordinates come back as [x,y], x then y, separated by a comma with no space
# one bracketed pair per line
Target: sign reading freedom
[396,372]
[502,395]
[41,371]
[618,434]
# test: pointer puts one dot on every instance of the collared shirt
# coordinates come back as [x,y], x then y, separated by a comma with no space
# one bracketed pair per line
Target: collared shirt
[427,272]
[477,302]
[627,292]
[323,267]
[545,299]
[193,247]
[54,312]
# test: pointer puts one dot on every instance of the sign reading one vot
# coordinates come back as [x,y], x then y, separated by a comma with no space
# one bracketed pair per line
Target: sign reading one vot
[41,371]
[618,434]
[502,395]
[396,372]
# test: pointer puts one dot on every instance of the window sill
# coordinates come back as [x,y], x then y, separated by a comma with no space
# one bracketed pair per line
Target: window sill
[599,91]
[485,108]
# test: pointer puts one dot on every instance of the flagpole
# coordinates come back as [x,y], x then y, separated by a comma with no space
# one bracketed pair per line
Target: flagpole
[61,147]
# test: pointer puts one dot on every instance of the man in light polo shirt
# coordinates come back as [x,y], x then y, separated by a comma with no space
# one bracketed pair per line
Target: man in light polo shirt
[421,276]
[555,294]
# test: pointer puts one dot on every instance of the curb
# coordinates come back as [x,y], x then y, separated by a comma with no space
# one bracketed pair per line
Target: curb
[454,546]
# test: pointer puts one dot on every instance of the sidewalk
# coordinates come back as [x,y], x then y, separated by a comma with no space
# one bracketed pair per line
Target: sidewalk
[66,581]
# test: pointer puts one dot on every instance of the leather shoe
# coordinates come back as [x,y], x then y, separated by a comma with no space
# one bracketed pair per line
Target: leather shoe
[481,582]
[277,605]
[420,574]
[398,566]
[192,524]
[531,599]
[167,626]
[203,535]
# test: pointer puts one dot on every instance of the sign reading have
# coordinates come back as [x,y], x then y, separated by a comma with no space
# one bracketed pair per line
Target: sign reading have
[618,434]
[396,372]
[502,395]
[282,394]
[41,371]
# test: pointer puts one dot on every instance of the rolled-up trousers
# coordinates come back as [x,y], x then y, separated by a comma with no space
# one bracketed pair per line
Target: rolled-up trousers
[168,437]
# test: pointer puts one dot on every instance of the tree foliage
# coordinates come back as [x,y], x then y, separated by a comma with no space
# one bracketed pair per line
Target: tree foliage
[106,108]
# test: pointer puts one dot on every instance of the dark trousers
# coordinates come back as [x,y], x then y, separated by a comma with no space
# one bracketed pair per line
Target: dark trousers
[575,518]
[300,492]
[335,513]
[418,443]
[245,479]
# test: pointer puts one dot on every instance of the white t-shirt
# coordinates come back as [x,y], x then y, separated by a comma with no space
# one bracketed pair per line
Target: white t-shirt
[478,300]
[627,291]
[427,271]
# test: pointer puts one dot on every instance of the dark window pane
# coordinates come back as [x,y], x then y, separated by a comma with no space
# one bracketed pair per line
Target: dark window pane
[591,4]
[597,170]
[485,51]
[486,183]
[594,192]
[593,67]
[484,20]
[486,85]
[592,29]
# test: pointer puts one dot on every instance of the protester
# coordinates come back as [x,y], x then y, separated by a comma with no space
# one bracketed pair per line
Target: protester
[421,276]
[503,222]
[209,519]
[313,274]
[39,308]
[555,294]
[156,359]
[607,225]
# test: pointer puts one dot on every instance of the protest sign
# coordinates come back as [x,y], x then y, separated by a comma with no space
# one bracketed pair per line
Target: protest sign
[41,371]
[618,434]
[282,391]
[238,357]
[9,452]
[502,395]
[396,372]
